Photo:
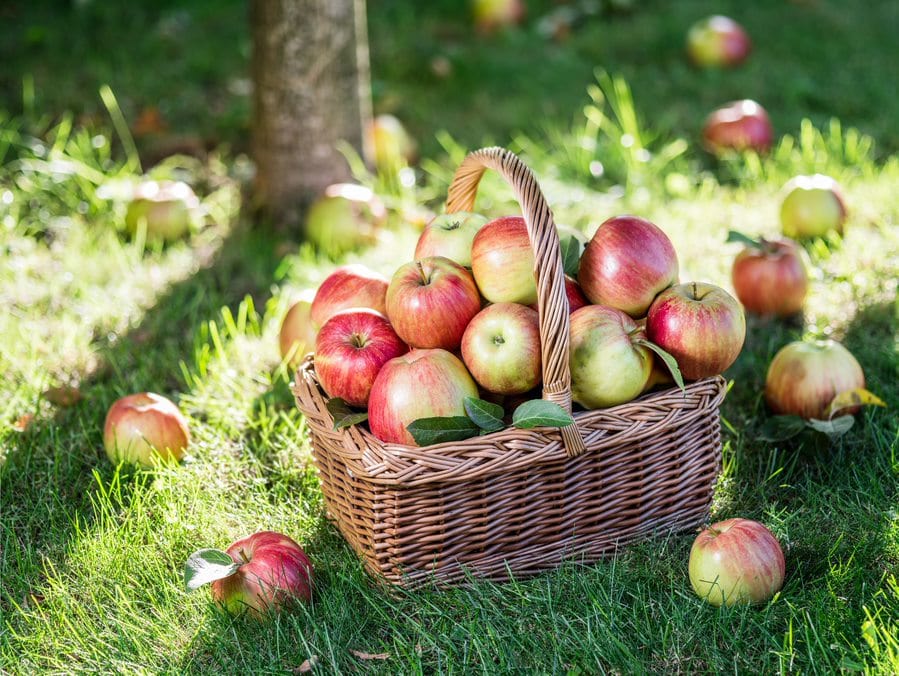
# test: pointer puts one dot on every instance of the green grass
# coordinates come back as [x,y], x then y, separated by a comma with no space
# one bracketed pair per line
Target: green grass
[91,554]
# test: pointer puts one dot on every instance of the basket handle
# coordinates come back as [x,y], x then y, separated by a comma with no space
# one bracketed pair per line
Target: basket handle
[552,302]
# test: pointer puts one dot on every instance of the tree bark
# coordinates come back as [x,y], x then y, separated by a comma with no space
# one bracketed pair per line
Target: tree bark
[311,91]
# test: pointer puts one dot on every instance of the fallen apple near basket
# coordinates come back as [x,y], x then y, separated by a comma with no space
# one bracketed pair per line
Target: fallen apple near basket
[518,501]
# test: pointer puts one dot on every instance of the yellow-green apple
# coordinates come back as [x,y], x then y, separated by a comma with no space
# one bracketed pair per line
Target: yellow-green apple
[770,278]
[608,364]
[349,286]
[626,264]
[701,325]
[430,302]
[803,378]
[501,348]
[270,569]
[812,207]
[736,561]
[492,15]
[739,125]
[142,426]
[346,217]
[450,236]
[502,262]
[165,210]
[391,144]
[350,349]
[659,376]
[418,384]
[717,41]
[297,334]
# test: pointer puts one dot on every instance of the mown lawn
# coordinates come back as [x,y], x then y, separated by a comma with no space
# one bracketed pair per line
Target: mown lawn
[91,555]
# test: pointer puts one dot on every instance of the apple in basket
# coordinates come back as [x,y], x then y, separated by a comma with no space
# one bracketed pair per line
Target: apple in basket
[502,262]
[626,264]
[501,348]
[297,334]
[813,206]
[349,286]
[701,325]
[739,125]
[430,302]
[143,425]
[770,278]
[717,41]
[450,236]
[418,384]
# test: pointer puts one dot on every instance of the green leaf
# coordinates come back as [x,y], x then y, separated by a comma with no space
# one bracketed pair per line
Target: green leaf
[207,565]
[782,427]
[571,254]
[836,427]
[541,413]
[670,362]
[343,415]
[734,236]
[427,431]
[484,414]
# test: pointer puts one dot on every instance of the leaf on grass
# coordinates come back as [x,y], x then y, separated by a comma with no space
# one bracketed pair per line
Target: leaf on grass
[571,255]
[370,656]
[427,431]
[343,415]
[734,236]
[850,398]
[207,565]
[64,396]
[541,413]
[835,427]
[666,357]
[23,422]
[307,665]
[782,427]
[484,414]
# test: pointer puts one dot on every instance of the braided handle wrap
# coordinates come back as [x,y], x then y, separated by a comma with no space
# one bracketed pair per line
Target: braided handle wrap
[552,302]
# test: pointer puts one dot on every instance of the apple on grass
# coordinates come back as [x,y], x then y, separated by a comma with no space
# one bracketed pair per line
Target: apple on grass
[349,286]
[717,41]
[419,384]
[450,236]
[493,15]
[736,561]
[502,262]
[626,264]
[142,426]
[430,302]
[164,210]
[769,277]
[350,349]
[346,217]
[297,334]
[256,574]
[501,348]
[737,126]
[812,207]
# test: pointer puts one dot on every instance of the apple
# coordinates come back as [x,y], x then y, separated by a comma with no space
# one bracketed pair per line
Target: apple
[736,561]
[502,261]
[391,144]
[168,210]
[142,426]
[770,279]
[737,126]
[297,334]
[626,264]
[346,217]
[450,236]
[608,365]
[493,15]
[271,569]
[576,297]
[418,384]
[430,302]
[812,207]
[701,325]
[717,41]
[501,348]
[803,378]
[349,286]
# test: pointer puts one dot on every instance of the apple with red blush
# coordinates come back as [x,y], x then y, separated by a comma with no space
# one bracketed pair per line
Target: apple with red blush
[296,336]
[502,261]
[501,348]
[144,426]
[769,277]
[716,42]
[738,126]
[349,286]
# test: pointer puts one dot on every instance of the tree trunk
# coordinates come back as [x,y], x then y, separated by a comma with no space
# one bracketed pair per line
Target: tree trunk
[311,91]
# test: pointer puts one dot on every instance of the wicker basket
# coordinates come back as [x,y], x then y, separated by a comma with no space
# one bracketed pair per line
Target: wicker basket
[517,502]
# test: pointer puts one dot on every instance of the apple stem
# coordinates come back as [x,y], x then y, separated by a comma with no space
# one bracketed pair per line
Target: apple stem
[695,292]
[421,270]
[242,555]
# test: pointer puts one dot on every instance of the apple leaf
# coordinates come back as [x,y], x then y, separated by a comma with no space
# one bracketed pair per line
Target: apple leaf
[541,413]
[850,398]
[427,431]
[734,236]
[487,416]
[571,255]
[666,357]
[782,427]
[343,415]
[835,427]
[207,565]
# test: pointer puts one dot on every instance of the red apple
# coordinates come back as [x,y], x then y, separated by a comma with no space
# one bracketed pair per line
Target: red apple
[608,366]
[626,264]
[737,126]
[502,262]
[419,384]
[576,298]
[349,286]
[812,207]
[717,41]
[271,569]
[430,302]
[168,210]
[350,349]
[770,279]
[501,348]
[701,325]
[346,217]
[391,144]
[297,334]
[450,236]
[736,561]
[492,15]
[803,378]
[142,426]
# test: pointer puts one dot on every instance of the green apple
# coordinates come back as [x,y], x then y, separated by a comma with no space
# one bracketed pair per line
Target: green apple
[164,210]
[812,207]
[501,348]
[345,218]
[450,236]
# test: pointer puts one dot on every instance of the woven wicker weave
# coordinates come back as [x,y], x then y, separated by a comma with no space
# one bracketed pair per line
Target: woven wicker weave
[519,501]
